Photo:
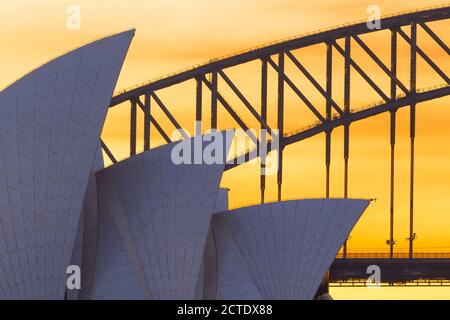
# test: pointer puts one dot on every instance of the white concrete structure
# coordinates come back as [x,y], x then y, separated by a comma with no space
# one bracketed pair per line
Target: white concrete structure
[207,280]
[114,276]
[162,212]
[50,123]
[85,247]
[280,250]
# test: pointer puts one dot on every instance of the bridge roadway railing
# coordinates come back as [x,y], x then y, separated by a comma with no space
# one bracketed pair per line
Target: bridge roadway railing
[399,255]
[423,269]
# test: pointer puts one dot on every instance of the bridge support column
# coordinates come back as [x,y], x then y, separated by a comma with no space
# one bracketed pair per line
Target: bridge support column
[198,107]
[346,126]
[412,235]
[346,156]
[413,70]
[214,100]
[133,128]
[263,132]
[280,121]
[328,117]
[392,186]
[391,241]
[327,162]
[147,117]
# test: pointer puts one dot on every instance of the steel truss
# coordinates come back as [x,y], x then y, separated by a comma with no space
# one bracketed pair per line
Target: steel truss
[145,97]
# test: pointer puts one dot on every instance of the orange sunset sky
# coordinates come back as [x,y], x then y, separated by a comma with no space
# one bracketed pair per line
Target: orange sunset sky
[174,34]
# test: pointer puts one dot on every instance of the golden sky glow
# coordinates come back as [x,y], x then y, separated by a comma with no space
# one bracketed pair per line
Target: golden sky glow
[174,34]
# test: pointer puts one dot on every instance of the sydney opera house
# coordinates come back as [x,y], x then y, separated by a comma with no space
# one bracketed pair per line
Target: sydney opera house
[143,228]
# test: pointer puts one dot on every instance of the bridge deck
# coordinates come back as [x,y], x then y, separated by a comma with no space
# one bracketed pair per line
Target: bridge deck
[429,269]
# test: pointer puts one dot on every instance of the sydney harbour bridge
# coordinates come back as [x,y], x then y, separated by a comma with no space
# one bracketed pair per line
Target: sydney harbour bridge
[411,268]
